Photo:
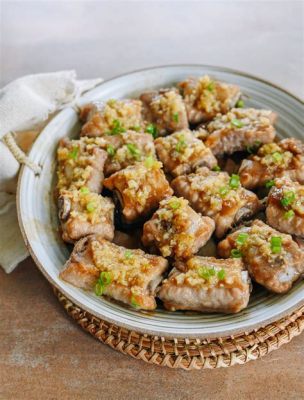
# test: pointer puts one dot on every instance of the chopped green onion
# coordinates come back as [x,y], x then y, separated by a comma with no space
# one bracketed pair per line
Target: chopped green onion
[289,198]
[74,153]
[84,190]
[110,150]
[221,274]
[174,204]
[240,104]
[134,303]
[151,128]
[216,168]
[289,214]
[128,254]
[136,128]
[134,150]
[149,161]
[117,128]
[181,144]
[223,191]
[241,239]
[277,157]
[105,277]
[237,123]
[111,102]
[234,182]
[236,253]
[269,184]
[276,244]
[103,281]
[91,206]
[211,86]
[206,273]
[175,117]
[99,289]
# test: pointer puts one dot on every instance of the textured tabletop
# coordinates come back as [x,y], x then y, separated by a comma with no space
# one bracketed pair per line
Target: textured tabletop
[43,353]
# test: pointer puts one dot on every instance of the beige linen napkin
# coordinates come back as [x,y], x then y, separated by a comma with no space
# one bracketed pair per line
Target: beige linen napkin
[25,106]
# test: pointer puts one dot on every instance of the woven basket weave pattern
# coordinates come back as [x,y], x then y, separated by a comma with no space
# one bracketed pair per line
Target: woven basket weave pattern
[189,354]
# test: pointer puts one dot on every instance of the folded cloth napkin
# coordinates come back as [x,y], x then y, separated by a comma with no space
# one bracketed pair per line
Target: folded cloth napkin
[25,106]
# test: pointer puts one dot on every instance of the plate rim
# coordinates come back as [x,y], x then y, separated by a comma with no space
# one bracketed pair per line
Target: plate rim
[228,332]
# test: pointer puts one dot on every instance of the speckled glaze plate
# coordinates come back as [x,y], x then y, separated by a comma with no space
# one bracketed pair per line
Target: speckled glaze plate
[39,225]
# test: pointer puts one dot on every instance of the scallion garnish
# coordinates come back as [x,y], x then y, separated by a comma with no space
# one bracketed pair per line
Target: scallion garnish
[211,86]
[221,274]
[134,302]
[181,144]
[149,161]
[136,128]
[175,117]
[103,281]
[128,254]
[236,253]
[289,198]
[276,244]
[216,168]
[206,273]
[269,184]
[74,153]
[174,204]
[117,128]
[91,206]
[134,150]
[151,128]
[84,190]
[240,104]
[277,157]
[237,123]
[223,191]
[110,150]
[241,239]
[289,214]
[234,182]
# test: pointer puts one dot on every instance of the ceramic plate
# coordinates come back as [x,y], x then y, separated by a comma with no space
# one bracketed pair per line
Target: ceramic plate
[38,221]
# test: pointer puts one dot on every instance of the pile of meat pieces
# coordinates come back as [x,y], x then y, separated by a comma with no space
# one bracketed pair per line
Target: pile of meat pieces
[181,171]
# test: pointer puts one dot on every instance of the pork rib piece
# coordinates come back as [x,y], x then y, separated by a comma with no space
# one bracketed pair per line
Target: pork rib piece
[273,259]
[207,284]
[129,276]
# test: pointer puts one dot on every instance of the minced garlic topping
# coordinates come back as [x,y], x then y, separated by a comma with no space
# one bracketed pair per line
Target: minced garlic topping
[290,196]
[273,156]
[241,118]
[259,239]
[91,207]
[172,223]
[74,162]
[167,105]
[215,190]
[114,117]
[207,272]
[131,268]
[182,146]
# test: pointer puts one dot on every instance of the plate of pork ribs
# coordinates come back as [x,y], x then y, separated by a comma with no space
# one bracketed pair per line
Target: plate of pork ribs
[171,202]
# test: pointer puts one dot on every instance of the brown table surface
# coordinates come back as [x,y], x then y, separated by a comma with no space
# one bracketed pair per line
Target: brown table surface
[45,354]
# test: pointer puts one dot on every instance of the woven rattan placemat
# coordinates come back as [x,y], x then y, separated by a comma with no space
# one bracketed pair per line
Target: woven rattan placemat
[189,354]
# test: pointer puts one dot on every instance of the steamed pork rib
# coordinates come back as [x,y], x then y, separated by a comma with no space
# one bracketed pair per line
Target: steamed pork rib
[205,98]
[217,195]
[240,129]
[83,213]
[176,230]
[80,163]
[129,276]
[139,188]
[111,118]
[130,148]
[285,207]
[274,160]
[272,258]
[208,285]
[166,110]
[182,153]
